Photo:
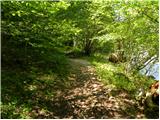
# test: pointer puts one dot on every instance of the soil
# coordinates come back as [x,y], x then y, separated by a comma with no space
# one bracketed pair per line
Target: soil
[88,98]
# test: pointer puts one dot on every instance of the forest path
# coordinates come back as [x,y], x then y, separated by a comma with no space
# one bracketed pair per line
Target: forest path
[90,98]
[86,97]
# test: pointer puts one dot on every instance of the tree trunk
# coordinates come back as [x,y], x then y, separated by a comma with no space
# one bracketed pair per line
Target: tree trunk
[88,47]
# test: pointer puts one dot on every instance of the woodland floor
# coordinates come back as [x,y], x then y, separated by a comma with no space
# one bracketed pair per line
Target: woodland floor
[87,97]
[82,96]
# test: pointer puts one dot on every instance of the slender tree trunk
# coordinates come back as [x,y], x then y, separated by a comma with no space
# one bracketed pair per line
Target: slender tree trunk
[88,47]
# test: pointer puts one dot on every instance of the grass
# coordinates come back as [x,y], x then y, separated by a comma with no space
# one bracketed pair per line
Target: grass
[115,75]
[25,89]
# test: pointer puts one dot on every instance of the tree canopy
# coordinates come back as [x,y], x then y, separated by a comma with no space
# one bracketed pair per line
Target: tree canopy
[131,26]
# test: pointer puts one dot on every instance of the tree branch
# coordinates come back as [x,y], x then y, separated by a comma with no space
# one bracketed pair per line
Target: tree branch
[152,19]
[147,63]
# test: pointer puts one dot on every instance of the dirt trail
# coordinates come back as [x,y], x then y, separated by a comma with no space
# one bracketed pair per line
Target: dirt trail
[87,97]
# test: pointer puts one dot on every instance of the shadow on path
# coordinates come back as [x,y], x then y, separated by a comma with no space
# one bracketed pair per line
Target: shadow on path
[87,97]
[79,95]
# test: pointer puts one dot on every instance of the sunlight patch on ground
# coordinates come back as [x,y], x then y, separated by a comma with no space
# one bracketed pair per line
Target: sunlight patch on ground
[107,67]
[32,87]
[80,62]
[46,77]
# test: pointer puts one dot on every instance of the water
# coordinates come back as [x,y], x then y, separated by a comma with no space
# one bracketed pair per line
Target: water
[153,70]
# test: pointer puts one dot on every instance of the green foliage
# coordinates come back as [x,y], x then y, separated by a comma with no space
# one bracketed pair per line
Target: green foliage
[101,47]
[62,21]
[96,58]
[112,74]
[23,90]
[119,80]
[137,29]
[38,35]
